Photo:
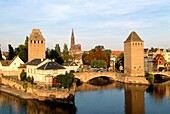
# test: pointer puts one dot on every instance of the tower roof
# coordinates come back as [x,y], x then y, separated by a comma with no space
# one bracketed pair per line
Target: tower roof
[72,38]
[36,35]
[133,37]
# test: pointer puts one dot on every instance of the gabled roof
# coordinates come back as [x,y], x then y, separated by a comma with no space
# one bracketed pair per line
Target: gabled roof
[158,56]
[133,37]
[50,66]
[70,63]
[7,62]
[35,61]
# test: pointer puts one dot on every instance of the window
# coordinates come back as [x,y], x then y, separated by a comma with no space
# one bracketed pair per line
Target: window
[41,41]
[34,41]
[38,42]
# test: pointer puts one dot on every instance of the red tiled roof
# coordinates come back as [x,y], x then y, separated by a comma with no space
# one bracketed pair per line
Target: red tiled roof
[116,53]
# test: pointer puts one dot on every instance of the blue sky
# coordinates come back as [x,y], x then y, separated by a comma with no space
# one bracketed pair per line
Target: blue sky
[104,22]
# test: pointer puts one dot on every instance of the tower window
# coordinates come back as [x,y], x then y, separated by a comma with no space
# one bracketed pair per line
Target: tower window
[38,42]
[31,41]
[41,41]
[34,41]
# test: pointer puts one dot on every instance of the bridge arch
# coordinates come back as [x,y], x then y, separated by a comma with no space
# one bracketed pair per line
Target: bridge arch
[86,76]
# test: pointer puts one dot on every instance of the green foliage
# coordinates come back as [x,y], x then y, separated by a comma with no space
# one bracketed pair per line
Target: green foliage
[11,52]
[99,46]
[65,81]
[84,58]
[108,53]
[98,63]
[151,78]
[25,85]
[23,76]
[66,55]
[53,54]
[22,50]
[57,49]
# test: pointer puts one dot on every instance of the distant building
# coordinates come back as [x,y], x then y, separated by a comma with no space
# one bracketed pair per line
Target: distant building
[150,59]
[134,55]
[75,50]
[11,67]
[43,70]
[167,55]
[114,55]
[160,61]
[36,45]
[70,65]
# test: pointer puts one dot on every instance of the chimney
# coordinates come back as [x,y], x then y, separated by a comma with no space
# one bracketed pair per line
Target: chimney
[41,59]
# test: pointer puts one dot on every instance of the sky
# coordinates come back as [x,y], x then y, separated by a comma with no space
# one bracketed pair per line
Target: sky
[95,22]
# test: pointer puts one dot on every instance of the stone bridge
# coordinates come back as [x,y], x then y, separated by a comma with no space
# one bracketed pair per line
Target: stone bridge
[86,76]
[165,73]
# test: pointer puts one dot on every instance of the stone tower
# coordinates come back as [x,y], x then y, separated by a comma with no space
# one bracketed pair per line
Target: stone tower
[134,55]
[36,45]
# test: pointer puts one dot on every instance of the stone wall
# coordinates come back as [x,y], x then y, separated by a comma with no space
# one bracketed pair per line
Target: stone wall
[36,93]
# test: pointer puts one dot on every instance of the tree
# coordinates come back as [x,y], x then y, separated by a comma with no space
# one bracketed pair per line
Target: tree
[66,55]
[98,54]
[57,49]
[23,75]
[22,52]
[98,63]
[66,80]
[47,52]
[94,63]
[1,55]
[99,46]
[84,58]
[102,64]
[26,42]
[11,52]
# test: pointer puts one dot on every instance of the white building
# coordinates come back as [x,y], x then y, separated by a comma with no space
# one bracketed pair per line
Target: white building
[71,65]
[10,67]
[43,70]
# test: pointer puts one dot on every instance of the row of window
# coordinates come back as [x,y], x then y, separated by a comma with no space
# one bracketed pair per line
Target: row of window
[137,44]
[31,41]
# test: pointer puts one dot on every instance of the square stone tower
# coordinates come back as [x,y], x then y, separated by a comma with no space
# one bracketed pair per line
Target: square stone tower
[36,45]
[134,55]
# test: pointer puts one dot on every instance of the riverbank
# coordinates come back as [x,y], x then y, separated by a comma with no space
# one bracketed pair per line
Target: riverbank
[16,92]
[16,88]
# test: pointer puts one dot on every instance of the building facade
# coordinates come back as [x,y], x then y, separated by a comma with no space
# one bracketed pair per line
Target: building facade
[11,67]
[134,55]
[43,70]
[36,45]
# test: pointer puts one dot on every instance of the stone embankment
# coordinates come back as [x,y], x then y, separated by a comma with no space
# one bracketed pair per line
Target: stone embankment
[16,88]
[131,79]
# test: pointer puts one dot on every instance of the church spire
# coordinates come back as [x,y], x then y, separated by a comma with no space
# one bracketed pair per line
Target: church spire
[72,38]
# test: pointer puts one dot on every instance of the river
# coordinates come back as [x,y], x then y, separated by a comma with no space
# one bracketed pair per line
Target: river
[115,98]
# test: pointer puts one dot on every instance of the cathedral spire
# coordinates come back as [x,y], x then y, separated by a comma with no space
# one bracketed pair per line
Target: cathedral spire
[72,38]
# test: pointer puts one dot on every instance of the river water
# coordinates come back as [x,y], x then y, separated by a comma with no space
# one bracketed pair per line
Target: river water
[115,98]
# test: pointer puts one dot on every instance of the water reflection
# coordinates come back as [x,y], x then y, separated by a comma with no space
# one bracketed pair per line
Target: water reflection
[13,105]
[159,91]
[134,99]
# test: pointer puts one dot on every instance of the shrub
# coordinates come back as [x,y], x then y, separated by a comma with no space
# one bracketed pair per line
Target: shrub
[151,78]
[65,81]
